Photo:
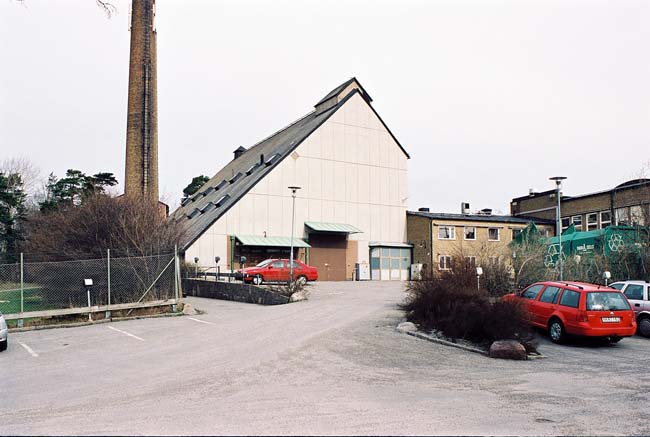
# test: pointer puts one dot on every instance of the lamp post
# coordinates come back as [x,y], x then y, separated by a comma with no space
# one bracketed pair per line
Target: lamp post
[558,216]
[293,189]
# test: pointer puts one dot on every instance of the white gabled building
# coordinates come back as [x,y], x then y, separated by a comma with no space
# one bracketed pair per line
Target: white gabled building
[351,207]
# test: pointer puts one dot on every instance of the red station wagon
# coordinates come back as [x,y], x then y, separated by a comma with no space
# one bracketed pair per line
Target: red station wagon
[277,270]
[577,308]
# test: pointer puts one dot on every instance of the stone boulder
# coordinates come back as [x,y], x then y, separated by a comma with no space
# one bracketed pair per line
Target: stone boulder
[189,310]
[508,349]
[298,296]
[407,327]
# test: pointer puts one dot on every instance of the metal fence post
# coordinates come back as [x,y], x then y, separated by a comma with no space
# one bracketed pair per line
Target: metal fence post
[108,276]
[22,290]
[174,307]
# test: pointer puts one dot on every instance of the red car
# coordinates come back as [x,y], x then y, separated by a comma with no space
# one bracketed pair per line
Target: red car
[577,308]
[277,270]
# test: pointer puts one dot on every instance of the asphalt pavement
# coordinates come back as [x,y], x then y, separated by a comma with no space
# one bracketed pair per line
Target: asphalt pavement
[331,365]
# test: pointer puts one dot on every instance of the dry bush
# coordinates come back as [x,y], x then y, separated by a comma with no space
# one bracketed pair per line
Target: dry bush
[451,303]
[127,225]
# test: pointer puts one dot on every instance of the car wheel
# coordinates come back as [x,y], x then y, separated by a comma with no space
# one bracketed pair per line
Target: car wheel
[556,331]
[302,280]
[3,345]
[258,279]
[644,326]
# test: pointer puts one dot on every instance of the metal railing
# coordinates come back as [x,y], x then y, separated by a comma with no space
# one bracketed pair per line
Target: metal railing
[47,289]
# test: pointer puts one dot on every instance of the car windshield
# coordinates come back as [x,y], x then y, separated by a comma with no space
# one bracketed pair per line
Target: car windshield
[264,263]
[606,301]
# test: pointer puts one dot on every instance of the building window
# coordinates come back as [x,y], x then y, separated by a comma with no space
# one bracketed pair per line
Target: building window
[605,219]
[592,221]
[516,233]
[444,262]
[493,234]
[470,261]
[622,216]
[577,222]
[565,222]
[446,232]
[636,216]
[470,233]
[495,260]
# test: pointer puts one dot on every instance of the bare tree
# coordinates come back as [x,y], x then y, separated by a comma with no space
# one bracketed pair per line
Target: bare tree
[29,173]
[127,225]
[108,7]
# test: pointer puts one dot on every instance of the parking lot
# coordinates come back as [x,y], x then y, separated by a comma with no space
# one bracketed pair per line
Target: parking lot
[331,365]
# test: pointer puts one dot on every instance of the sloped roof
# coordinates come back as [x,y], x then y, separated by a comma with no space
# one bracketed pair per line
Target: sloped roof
[240,175]
[341,87]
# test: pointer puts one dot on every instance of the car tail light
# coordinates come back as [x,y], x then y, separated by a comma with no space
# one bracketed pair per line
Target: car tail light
[582,316]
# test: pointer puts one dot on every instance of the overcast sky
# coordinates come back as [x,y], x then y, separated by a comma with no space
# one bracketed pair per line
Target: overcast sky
[490,98]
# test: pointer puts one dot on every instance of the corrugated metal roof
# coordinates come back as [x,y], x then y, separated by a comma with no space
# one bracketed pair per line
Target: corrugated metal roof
[333,227]
[255,240]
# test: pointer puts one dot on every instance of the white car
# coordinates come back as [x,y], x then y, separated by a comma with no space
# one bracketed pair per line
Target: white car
[4,332]
[638,293]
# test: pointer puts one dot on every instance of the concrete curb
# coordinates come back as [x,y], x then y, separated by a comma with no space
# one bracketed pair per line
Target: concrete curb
[97,322]
[432,339]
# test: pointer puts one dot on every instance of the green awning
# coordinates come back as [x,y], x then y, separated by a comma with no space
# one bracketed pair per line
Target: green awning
[255,240]
[333,227]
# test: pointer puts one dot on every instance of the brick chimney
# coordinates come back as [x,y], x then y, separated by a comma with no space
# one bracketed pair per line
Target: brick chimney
[141,170]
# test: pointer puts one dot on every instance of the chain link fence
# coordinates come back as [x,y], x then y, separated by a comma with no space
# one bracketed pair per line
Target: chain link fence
[62,287]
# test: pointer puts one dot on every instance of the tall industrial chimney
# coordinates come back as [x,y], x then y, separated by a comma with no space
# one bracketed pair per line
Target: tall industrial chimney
[141,173]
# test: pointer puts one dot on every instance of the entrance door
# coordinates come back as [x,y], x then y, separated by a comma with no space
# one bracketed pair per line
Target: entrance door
[328,255]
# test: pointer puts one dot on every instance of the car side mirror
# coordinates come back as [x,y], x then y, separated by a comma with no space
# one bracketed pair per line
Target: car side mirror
[270,267]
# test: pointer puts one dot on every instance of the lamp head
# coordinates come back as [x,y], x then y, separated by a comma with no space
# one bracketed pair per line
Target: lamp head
[558,179]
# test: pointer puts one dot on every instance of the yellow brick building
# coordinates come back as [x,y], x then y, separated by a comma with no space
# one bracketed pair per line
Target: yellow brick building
[479,239]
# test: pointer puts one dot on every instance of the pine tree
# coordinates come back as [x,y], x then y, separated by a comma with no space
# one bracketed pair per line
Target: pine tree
[12,213]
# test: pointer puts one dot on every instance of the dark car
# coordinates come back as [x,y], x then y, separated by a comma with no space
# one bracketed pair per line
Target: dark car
[577,308]
[277,270]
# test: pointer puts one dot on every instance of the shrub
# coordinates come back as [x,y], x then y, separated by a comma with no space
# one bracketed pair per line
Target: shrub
[128,225]
[452,304]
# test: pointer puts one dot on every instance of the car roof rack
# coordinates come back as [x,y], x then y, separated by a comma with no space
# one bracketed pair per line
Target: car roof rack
[573,285]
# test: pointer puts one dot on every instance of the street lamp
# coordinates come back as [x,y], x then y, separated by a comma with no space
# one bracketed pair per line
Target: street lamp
[293,215]
[558,216]
[479,272]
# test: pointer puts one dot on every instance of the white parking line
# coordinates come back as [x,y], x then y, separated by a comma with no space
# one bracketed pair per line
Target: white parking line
[125,333]
[200,321]
[28,349]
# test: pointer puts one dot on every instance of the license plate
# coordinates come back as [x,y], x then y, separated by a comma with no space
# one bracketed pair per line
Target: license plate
[610,319]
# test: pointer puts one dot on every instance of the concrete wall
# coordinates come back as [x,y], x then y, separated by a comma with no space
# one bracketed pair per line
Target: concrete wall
[350,170]
[232,291]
